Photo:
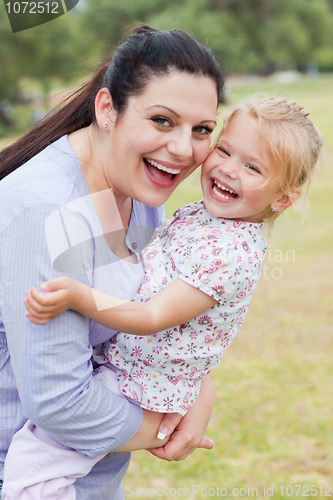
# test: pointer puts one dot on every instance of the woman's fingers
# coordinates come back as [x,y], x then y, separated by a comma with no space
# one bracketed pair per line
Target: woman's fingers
[168,424]
[179,447]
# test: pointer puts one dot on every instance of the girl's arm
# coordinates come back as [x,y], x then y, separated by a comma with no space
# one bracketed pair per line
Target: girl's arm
[189,433]
[177,303]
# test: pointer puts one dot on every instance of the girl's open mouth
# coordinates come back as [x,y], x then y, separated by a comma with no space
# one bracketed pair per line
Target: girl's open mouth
[222,191]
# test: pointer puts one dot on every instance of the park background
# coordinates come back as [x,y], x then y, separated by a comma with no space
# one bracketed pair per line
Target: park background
[272,421]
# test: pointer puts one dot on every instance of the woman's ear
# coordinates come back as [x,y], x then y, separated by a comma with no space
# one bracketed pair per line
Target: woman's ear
[285,201]
[104,110]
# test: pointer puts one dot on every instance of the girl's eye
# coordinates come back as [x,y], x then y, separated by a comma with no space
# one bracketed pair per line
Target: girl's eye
[253,168]
[203,130]
[161,120]
[223,152]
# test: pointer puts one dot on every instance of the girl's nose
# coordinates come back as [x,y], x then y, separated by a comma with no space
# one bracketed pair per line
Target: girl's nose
[229,168]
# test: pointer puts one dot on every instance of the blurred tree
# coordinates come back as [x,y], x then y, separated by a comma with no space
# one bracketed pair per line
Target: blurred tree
[297,33]
[109,20]
[58,48]
[246,36]
[54,50]
[11,70]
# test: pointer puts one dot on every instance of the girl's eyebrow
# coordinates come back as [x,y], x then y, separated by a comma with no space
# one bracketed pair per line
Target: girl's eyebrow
[209,121]
[176,114]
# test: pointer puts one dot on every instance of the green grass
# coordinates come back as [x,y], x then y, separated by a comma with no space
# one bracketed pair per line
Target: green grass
[272,421]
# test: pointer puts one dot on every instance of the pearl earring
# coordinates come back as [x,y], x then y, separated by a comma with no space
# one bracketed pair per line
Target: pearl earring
[106,124]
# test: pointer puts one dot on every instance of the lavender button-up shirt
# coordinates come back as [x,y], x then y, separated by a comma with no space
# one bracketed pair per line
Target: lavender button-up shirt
[48,228]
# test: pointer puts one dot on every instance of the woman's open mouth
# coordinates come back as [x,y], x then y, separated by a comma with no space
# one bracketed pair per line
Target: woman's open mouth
[160,173]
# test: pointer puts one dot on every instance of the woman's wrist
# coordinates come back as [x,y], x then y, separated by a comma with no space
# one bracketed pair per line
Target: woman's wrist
[146,436]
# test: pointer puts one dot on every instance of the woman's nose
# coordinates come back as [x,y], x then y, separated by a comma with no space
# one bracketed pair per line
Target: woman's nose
[180,145]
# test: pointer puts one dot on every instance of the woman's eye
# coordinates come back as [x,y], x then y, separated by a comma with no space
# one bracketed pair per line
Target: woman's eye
[161,120]
[203,130]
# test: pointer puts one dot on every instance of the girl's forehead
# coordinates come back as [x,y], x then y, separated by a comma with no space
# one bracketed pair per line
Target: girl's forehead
[240,122]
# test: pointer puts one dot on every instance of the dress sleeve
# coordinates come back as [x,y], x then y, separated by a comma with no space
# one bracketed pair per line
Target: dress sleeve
[52,363]
[225,272]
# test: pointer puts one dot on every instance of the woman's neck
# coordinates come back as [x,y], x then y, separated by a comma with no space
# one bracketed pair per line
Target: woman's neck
[88,146]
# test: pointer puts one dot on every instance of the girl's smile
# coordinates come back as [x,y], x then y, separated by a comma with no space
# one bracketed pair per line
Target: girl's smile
[236,179]
[222,191]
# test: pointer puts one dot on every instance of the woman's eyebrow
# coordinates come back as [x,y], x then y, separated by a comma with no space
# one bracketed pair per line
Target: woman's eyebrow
[164,107]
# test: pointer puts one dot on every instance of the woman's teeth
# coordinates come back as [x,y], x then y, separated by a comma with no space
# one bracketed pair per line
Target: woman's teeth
[217,188]
[162,167]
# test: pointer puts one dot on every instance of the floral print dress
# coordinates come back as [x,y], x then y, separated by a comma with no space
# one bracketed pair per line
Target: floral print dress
[222,258]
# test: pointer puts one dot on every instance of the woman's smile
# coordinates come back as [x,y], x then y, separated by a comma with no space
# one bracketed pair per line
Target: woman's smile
[161,174]
[165,137]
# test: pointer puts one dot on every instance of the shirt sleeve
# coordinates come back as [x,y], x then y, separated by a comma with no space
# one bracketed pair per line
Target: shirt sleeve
[227,272]
[52,363]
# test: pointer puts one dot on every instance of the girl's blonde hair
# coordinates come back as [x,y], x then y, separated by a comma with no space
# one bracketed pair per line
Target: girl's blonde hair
[291,142]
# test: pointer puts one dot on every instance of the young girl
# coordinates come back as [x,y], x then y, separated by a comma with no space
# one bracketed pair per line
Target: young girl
[200,270]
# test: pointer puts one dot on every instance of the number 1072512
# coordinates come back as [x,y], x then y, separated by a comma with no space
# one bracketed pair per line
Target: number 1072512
[33,7]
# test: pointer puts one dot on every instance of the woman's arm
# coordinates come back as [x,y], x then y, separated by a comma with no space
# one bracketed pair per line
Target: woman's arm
[177,303]
[51,364]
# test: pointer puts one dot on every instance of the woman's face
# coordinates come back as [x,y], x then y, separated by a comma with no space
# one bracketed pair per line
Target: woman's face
[162,137]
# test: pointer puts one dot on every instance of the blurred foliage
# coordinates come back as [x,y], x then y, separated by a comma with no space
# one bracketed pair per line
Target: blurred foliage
[247,36]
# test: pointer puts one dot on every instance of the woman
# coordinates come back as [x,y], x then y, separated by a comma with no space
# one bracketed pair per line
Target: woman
[139,127]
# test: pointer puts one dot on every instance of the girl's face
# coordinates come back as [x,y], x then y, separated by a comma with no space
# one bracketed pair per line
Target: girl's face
[235,177]
[163,135]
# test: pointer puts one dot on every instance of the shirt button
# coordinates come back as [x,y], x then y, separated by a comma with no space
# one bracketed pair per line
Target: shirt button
[134,246]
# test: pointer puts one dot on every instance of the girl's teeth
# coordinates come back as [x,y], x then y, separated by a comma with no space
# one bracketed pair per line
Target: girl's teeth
[217,188]
[218,193]
[224,188]
[162,167]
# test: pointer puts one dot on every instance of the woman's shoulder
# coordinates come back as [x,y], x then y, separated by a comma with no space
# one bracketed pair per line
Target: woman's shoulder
[47,178]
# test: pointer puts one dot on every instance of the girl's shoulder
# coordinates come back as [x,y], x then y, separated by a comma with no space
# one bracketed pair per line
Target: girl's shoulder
[187,210]
[194,222]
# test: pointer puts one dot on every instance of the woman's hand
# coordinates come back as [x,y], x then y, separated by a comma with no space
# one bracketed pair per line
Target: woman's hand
[190,432]
[42,307]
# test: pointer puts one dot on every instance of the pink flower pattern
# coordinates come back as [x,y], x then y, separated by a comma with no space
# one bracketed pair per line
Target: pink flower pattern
[222,258]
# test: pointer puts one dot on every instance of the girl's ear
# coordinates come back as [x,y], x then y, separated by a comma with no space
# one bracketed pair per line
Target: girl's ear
[285,201]
[104,110]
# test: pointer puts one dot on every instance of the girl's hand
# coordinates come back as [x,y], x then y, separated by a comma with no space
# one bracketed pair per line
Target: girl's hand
[190,432]
[42,307]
